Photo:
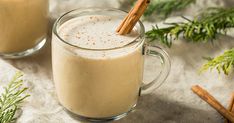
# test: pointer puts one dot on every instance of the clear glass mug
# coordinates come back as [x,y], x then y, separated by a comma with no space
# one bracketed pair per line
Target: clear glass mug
[23,27]
[102,89]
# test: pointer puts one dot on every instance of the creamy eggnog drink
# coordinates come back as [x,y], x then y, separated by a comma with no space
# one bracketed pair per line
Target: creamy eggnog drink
[23,24]
[97,83]
[97,72]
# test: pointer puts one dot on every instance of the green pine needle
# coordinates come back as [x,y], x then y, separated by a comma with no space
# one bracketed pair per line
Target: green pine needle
[164,8]
[224,62]
[11,99]
[209,24]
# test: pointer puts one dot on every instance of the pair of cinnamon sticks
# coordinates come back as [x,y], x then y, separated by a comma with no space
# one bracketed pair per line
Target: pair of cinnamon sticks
[227,113]
[133,16]
[231,107]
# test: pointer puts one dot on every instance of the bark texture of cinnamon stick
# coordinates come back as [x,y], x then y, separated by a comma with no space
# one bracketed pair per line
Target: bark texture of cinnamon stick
[203,94]
[133,16]
[231,107]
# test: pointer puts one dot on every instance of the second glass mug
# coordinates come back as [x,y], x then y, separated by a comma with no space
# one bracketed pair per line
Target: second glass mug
[102,89]
[23,27]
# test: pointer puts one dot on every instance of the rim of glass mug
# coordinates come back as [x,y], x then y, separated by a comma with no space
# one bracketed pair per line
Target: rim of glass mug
[140,27]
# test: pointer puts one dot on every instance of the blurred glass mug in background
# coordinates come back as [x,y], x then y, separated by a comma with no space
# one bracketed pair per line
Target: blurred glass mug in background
[23,27]
[98,74]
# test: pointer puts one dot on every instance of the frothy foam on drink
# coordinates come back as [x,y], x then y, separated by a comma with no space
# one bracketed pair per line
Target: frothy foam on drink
[96,32]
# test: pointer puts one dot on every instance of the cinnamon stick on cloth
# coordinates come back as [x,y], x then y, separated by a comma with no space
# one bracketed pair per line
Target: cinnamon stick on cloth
[133,16]
[203,94]
[231,107]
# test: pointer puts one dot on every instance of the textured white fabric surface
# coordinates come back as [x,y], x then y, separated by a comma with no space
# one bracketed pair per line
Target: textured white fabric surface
[171,103]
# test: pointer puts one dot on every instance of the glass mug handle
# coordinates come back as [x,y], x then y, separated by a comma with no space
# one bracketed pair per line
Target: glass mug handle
[155,51]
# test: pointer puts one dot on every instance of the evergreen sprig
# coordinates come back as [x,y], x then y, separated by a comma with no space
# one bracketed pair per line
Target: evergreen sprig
[203,28]
[224,62]
[166,7]
[11,99]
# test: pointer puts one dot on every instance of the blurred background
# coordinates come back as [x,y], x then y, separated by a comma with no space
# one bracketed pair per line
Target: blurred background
[60,6]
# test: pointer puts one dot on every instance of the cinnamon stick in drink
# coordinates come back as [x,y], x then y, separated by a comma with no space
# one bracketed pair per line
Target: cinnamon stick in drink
[203,94]
[133,16]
